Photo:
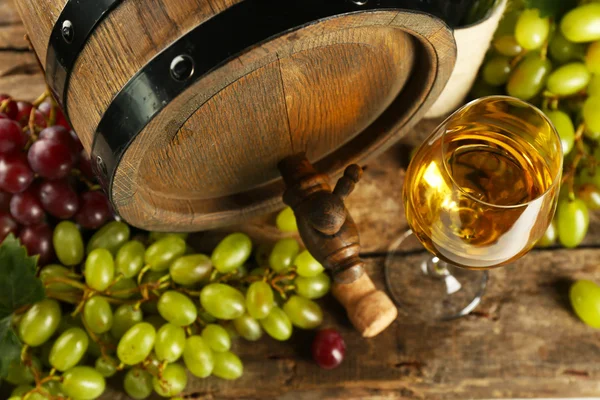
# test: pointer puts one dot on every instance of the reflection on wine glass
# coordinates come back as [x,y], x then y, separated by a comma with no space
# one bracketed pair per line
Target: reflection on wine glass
[478,194]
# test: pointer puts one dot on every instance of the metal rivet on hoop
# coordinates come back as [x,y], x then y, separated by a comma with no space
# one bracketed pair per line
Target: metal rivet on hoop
[101,165]
[182,68]
[67,31]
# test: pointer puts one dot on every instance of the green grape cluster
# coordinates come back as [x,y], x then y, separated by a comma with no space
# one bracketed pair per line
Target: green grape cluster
[555,65]
[150,308]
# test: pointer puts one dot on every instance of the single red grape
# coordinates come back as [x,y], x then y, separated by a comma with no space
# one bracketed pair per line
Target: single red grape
[94,210]
[26,208]
[15,174]
[60,117]
[50,158]
[7,225]
[59,198]
[62,135]
[85,165]
[8,106]
[25,113]
[12,137]
[328,348]
[5,201]
[38,240]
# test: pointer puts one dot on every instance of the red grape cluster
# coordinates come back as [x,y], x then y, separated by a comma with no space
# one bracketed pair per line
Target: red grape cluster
[45,176]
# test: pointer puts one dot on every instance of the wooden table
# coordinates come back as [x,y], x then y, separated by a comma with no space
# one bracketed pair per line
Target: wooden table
[522,341]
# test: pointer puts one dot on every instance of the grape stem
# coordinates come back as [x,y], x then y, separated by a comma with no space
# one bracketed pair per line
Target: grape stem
[67,281]
[103,345]
[79,175]
[63,297]
[569,177]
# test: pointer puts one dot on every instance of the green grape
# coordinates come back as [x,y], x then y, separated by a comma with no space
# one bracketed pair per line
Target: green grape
[125,285]
[83,383]
[496,70]
[563,51]
[277,324]
[532,30]
[198,357]
[130,258]
[283,254]
[107,366]
[222,301]
[124,318]
[177,308]
[589,176]
[591,116]
[98,315]
[39,322]
[549,237]
[307,266]
[592,58]
[54,388]
[248,328]
[36,396]
[191,269]
[174,381]
[479,89]
[529,77]
[68,243]
[156,321]
[68,349]
[261,271]
[136,344]
[206,317]
[590,194]
[53,271]
[564,126]
[572,222]
[507,46]
[286,220]
[259,299]
[138,383]
[99,269]
[160,254]
[507,24]
[20,390]
[216,337]
[231,252]
[261,255]
[303,313]
[228,366]
[582,24]
[153,276]
[593,88]
[110,237]
[568,79]
[20,374]
[313,288]
[155,236]
[94,349]
[585,300]
[170,342]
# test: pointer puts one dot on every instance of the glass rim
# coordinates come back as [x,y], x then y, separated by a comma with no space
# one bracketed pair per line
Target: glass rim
[557,177]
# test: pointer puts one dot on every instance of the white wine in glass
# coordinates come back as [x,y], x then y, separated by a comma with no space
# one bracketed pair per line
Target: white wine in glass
[478,194]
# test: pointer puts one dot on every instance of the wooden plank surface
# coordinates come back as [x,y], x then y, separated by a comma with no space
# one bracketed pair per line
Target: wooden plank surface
[522,341]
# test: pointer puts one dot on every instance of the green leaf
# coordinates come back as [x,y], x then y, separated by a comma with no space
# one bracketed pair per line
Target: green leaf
[18,283]
[10,346]
[551,8]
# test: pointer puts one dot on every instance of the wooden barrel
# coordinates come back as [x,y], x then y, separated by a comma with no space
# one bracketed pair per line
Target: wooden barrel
[187,106]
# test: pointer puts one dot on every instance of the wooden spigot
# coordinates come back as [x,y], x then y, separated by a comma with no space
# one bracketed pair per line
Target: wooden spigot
[331,236]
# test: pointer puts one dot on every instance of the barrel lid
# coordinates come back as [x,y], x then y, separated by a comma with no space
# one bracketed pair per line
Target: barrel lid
[342,89]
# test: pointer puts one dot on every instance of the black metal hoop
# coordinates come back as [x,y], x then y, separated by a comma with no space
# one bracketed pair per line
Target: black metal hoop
[71,32]
[203,49]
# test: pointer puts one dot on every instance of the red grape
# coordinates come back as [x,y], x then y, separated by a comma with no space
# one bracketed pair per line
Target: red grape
[7,225]
[38,240]
[12,137]
[60,117]
[78,145]
[94,210]
[15,174]
[328,348]
[85,165]
[8,106]
[3,116]
[26,208]
[62,135]
[59,198]
[5,201]
[50,158]
[25,113]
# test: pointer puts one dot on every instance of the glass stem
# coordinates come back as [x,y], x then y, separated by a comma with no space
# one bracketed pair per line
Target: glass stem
[435,268]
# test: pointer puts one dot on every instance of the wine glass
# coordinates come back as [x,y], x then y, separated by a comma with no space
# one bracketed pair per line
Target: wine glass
[478,194]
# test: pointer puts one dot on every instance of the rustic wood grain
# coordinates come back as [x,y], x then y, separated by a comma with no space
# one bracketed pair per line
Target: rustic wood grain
[523,341]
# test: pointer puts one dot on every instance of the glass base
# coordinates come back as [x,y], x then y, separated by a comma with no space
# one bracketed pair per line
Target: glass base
[425,287]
